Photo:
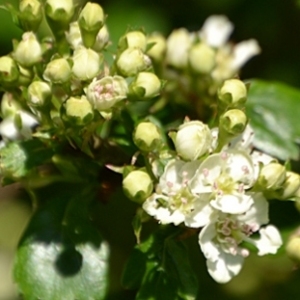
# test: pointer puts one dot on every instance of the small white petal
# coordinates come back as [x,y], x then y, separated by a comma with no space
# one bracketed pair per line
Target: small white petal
[243,52]
[216,30]
[209,248]
[225,268]
[270,240]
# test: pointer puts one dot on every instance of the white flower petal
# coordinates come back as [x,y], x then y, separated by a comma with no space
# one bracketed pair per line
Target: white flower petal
[243,51]
[270,240]
[225,268]
[216,30]
[233,204]
[209,248]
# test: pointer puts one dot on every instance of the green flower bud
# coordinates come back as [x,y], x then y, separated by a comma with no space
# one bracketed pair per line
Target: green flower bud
[31,14]
[58,71]
[73,36]
[146,85]
[159,46]
[272,176]
[292,247]
[28,51]
[90,20]
[39,94]
[79,111]
[132,61]
[86,63]
[106,92]
[133,39]
[192,140]
[137,186]
[59,13]
[147,136]
[9,72]
[9,105]
[290,186]
[178,45]
[233,93]
[233,122]
[202,58]
[102,39]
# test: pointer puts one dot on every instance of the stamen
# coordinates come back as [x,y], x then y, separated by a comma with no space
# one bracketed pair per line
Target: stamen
[224,155]
[205,172]
[241,188]
[245,169]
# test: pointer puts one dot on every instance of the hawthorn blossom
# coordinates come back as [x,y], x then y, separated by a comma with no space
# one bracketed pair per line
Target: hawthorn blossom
[220,240]
[173,201]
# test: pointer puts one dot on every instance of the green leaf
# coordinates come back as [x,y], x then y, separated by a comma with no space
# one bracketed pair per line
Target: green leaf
[160,268]
[18,158]
[274,110]
[62,255]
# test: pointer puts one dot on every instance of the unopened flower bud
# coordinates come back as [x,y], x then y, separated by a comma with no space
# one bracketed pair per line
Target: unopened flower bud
[59,13]
[39,93]
[133,39]
[86,63]
[28,51]
[272,176]
[79,111]
[233,93]
[178,45]
[9,105]
[90,20]
[106,92]
[147,136]
[202,58]
[137,186]
[146,85]
[132,61]
[158,46]
[192,140]
[102,39]
[57,71]
[31,14]
[291,185]
[73,36]
[9,72]
[292,247]
[233,122]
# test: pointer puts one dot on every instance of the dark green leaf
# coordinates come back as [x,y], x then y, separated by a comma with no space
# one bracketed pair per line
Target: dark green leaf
[62,255]
[160,268]
[274,110]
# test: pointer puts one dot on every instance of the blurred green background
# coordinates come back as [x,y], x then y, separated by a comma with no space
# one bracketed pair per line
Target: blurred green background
[276,26]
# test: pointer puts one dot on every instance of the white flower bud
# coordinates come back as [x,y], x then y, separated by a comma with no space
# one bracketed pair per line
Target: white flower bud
[233,122]
[233,93]
[202,58]
[28,51]
[102,39]
[86,63]
[272,176]
[31,14]
[292,247]
[58,71]
[137,186]
[59,10]
[193,139]
[106,92]
[73,36]
[90,20]
[146,85]
[39,93]
[147,136]
[291,185]
[9,72]
[132,61]
[159,46]
[133,39]
[79,111]
[9,105]
[178,45]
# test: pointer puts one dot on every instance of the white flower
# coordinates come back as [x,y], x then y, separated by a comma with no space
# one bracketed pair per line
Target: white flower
[173,201]
[216,30]
[220,240]
[224,177]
